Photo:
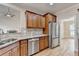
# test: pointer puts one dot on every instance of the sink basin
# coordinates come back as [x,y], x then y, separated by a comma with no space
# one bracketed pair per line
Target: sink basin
[1,43]
[6,41]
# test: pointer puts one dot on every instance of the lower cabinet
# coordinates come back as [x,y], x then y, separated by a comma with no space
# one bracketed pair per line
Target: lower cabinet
[7,54]
[43,43]
[11,50]
[23,48]
[46,41]
[15,51]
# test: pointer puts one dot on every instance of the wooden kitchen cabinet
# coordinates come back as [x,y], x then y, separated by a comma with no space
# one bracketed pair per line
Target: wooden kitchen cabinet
[42,22]
[46,41]
[31,20]
[34,20]
[15,51]
[38,21]
[11,50]
[7,54]
[29,17]
[23,48]
[48,18]
[43,43]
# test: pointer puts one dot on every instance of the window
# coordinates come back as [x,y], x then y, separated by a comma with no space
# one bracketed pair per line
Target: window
[72,30]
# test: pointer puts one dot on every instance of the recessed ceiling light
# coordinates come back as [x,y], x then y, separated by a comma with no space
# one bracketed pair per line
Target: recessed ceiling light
[50,3]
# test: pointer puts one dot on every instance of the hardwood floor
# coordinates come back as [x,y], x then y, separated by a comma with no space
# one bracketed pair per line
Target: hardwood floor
[66,48]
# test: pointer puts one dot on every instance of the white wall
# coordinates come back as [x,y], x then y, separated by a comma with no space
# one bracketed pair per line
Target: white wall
[66,14]
[20,23]
[63,29]
[8,23]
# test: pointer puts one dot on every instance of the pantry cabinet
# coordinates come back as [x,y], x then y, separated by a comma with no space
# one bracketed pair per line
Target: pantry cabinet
[34,20]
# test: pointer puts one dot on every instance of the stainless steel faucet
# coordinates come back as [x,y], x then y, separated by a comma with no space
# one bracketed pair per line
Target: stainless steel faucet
[0,37]
[1,31]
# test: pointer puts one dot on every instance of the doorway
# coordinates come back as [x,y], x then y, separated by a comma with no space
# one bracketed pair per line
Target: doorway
[68,35]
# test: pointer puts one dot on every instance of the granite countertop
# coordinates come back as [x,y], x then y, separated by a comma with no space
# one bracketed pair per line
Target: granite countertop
[21,37]
[30,37]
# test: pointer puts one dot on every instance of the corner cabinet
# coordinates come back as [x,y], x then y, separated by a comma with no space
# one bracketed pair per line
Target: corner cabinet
[34,20]
[11,50]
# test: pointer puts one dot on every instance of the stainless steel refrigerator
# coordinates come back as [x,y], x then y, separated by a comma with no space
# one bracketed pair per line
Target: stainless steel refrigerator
[54,34]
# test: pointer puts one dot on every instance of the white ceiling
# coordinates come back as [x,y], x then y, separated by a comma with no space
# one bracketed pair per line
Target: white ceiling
[45,7]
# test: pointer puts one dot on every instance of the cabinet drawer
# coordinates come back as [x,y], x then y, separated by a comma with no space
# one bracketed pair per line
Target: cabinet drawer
[23,41]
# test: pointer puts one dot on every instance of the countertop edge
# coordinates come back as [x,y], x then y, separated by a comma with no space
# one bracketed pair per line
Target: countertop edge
[10,43]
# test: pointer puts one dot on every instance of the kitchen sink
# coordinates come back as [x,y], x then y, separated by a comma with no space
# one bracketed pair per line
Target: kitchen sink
[6,41]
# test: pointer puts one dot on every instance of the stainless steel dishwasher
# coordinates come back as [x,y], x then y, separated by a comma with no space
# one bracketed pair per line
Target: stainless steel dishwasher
[33,46]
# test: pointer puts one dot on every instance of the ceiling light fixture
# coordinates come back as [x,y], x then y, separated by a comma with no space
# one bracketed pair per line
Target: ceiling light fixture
[8,14]
[50,3]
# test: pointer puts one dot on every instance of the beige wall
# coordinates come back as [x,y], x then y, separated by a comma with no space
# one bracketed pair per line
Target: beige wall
[66,25]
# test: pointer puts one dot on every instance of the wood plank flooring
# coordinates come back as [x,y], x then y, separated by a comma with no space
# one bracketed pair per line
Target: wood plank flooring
[66,48]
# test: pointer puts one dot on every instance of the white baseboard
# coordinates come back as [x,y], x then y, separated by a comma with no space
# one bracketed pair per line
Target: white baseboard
[68,38]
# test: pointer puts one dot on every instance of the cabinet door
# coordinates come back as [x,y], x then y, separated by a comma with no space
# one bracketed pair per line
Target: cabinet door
[34,21]
[24,48]
[29,20]
[46,30]
[38,21]
[15,51]
[50,18]
[42,22]
[46,41]
[54,18]
[7,54]
[41,43]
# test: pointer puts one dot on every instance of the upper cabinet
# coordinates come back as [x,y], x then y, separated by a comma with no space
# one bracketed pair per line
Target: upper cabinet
[48,18]
[42,22]
[34,20]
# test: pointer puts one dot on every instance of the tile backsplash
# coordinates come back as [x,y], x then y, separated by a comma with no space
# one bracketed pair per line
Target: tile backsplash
[32,32]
